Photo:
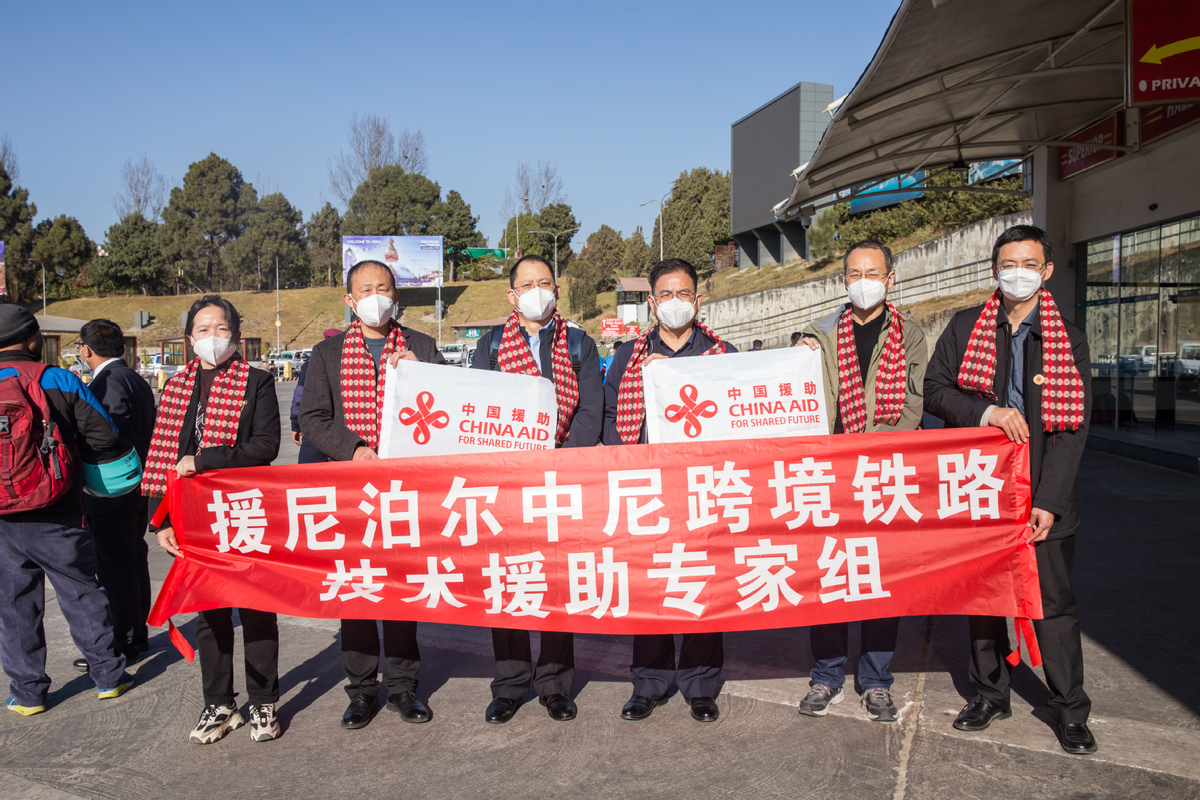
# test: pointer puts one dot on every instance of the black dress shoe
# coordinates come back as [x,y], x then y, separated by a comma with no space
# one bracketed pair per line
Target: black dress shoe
[501,710]
[704,709]
[560,707]
[410,708]
[979,713]
[1076,738]
[640,707]
[359,713]
[80,664]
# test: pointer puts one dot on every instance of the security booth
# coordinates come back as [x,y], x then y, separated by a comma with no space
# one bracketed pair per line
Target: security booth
[633,303]
[131,351]
[52,329]
[51,348]
[252,349]
[178,351]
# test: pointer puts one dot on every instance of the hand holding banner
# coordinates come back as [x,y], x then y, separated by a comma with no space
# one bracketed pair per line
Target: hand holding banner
[768,393]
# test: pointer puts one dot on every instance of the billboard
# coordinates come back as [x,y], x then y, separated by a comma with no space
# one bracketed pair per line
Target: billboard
[1085,155]
[414,260]
[3,274]
[980,171]
[871,199]
[1162,58]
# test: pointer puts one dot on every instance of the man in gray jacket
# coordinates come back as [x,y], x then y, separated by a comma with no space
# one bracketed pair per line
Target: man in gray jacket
[873,360]
[340,414]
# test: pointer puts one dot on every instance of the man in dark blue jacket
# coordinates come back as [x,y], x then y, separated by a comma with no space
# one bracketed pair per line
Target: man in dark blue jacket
[53,541]
[535,330]
[118,524]
[675,303]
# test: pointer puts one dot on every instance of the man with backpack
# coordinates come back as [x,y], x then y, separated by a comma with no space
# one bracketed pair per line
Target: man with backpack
[538,341]
[49,422]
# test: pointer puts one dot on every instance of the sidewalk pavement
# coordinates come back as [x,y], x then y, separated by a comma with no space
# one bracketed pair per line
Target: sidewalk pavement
[1138,555]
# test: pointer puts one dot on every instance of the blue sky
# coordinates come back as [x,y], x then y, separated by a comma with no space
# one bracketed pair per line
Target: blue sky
[621,97]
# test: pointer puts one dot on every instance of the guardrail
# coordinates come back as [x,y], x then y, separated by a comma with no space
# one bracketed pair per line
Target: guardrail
[945,282]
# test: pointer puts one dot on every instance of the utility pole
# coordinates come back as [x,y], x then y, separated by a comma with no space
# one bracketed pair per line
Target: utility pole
[557,234]
[277,323]
[660,221]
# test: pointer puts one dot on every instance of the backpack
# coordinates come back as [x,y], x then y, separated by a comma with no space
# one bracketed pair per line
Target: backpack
[574,346]
[37,466]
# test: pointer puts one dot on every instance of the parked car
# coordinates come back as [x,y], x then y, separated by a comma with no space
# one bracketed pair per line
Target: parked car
[455,354]
[149,367]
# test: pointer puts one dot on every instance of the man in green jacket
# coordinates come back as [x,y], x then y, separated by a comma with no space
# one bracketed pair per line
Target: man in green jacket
[873,360]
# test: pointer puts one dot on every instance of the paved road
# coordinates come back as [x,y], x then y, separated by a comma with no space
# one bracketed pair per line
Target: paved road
[1137,562]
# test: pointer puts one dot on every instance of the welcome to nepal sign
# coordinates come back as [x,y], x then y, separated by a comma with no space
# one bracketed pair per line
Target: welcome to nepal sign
[698,536]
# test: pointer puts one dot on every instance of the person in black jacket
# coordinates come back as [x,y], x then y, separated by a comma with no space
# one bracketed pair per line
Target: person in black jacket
[220,435]
[309,454]
[347,368]
[53,541]
[535,326]
[678,334]
[119,523]
[1026,372]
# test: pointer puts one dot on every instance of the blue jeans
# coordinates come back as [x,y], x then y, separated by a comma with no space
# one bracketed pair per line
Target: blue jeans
[29,553]
[829,649]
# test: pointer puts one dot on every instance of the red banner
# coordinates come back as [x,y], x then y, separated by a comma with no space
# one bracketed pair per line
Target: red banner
[1162,59]
[713,536]
[1088,153]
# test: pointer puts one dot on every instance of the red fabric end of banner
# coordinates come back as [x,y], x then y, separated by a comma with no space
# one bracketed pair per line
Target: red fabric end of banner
[181,644]
[1024,629]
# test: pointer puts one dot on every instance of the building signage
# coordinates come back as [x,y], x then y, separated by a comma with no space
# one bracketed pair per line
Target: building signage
[611,328]
[1090,150]
[1162,56]
[1159,121]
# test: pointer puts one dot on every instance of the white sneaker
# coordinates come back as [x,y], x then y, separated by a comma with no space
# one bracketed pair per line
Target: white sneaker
[263,724]
[215,722]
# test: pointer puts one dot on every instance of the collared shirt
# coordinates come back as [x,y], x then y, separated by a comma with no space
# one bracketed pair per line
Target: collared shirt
[96,372]
[1015,397]
[535,342]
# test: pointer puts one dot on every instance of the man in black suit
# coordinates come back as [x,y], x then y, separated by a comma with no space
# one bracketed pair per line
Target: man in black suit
[119,523]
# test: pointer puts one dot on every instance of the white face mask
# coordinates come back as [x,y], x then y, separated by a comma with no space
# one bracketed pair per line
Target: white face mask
[675,313]
[375,309]
[215,350]
[537,303]
[866,293]
[1019,284]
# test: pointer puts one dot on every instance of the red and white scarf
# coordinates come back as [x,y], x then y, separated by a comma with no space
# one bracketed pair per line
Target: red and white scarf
[1062,387]
[889,381]
[515,356]
[362,382]
[221,416]
[631,397]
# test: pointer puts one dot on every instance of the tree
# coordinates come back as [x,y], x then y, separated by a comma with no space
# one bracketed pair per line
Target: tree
[530,242]
[594,271]
[373,145]
[392,201]
[206,214]
[143,190]
[272,236]
[555,218]
[63,250]
[535,187]
[822,236]
[638,258]
[454,223]
[695,217]
[134,259]
[16,231]
[323,236]
[8,159]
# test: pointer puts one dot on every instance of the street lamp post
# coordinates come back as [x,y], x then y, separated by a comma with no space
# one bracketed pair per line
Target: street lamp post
[557,234]
[277,304]
[520,208]
[660,222]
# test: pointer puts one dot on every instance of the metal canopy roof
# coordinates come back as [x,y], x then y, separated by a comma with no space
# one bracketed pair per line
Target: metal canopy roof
[972,79]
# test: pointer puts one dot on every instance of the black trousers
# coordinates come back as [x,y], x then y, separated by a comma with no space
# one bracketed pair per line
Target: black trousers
[514,663]
[124,572]
[260,640]
[1057,635]
[701,658]
[309,454]
[360,656]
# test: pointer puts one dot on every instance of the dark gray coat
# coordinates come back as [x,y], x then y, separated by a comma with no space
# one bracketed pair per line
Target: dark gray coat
[322,418]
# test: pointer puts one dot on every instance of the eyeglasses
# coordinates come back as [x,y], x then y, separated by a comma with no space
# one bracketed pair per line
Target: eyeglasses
[544,283]
[851,277]
[686,295]
[1031,264]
